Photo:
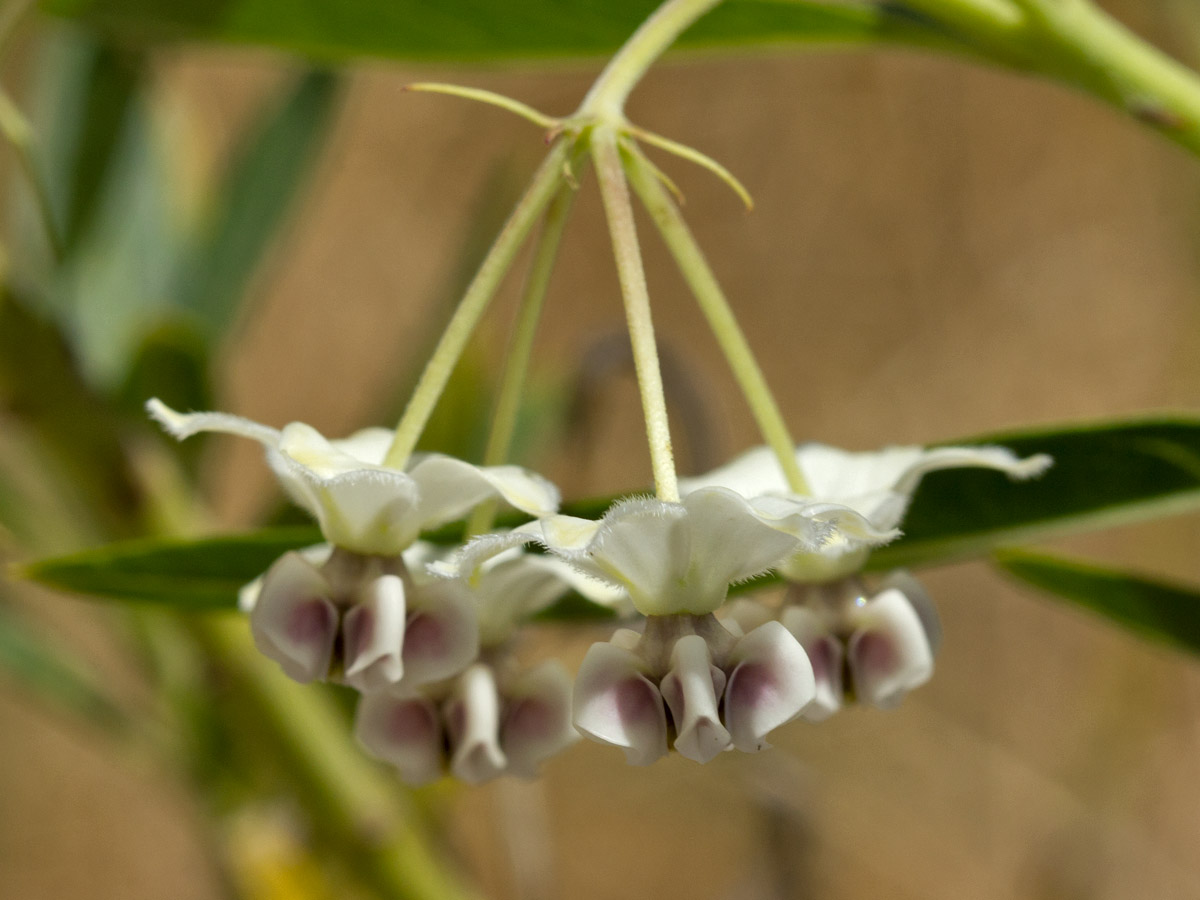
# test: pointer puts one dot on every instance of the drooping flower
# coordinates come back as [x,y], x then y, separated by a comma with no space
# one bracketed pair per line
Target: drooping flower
[487,721]
[353,610]
[367,621]
[360,503]
[872,646]
[863,496]
[494,718]
[692,683]
[686,680]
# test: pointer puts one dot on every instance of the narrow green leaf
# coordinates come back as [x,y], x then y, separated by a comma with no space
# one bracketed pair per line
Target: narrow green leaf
[185,574]
[1152,608]
[258,193]
[41,670]
[469,30]
[1104,474]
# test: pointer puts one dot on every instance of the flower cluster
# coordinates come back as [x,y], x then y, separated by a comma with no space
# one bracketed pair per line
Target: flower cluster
[429,636]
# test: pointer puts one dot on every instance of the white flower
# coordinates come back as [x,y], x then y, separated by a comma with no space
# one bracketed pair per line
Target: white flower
[693,678]
[862,496]
[360,503]
[488,721]
[384,625]
[884,641]
[671,558]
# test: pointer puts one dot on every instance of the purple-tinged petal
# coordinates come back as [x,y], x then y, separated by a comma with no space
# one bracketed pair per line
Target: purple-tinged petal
[770,682]
[889,653]
[373,635]
[441,637]
[537,723]
[825,654]
[615,703]
[692,689]
[294,620]
[472,715]
[404,731]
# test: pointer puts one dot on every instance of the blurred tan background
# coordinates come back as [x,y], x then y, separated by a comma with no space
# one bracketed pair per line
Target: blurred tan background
[937,250]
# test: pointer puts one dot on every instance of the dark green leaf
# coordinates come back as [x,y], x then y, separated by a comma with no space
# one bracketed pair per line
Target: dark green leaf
[469,30]
[1152,608]
[195,575]
[41,670]
[1104,474]
[259,191]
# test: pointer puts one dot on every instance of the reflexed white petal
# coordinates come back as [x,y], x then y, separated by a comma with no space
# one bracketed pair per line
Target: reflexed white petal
[373,635]
[537,724]
[770,682]
[449,488]
[441,637]
[294,620]
[184,425]
[370,445]
[755,473]
[880,484]
[728,542]
[404,731]
[889,653]
[643,545]
[513,588]
[615,703]
[825,655]
[472,717]
[467,560]
[692,689]
[363,507]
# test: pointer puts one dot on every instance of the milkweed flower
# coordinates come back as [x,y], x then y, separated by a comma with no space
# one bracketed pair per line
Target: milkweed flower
[872,646]
[327,613]
[863,495]
[686,680]
[361,504]
[352,611]
[494,718]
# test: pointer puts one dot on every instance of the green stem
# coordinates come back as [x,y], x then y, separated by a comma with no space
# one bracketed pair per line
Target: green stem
[508,403]
[15,127]
[716,309]
[473,304]
[606,99]
[1076,42]
[619,210]
[349,802]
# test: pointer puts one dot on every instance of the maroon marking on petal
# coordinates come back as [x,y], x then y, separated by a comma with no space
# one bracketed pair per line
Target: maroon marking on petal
[311,621]
[425,636]
[410,721]
[875,653]
[636,700]
[824,659]
[360,631]
[530,717]
[753,685]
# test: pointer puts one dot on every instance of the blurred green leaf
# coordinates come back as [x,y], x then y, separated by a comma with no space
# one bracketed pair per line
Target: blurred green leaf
[469,30]
[1104,474]
[37,667]
[259,191]
[186,574]
[1152,608]
[41,386]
